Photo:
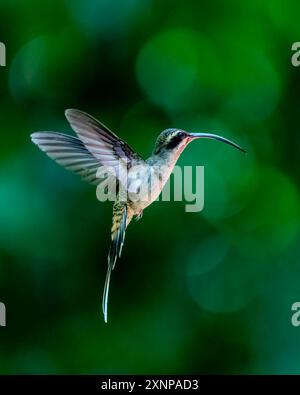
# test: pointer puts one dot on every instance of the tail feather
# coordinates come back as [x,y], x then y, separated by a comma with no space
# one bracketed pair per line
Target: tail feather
[105,293]
[117,240]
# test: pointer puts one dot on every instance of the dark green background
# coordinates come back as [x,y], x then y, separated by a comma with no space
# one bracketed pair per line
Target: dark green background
[207,292]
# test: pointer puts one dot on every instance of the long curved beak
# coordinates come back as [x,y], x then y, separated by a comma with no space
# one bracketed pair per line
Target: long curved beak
[215,137]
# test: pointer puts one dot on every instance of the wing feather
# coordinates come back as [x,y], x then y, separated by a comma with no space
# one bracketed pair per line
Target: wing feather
[69,152]
[103,144]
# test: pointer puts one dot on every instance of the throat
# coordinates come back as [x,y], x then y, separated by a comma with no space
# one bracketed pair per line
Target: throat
[164,162]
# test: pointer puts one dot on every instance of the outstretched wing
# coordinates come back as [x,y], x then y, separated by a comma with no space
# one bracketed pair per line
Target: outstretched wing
[69,152]
[117,239]
[103,144]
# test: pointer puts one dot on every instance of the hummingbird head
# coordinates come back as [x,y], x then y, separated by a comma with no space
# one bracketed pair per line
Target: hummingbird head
[175,140]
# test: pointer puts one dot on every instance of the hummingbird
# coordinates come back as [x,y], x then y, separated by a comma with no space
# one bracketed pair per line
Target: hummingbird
[97,148]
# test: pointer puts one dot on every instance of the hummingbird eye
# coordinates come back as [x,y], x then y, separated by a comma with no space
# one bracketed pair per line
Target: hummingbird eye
[174,139]
[180,134]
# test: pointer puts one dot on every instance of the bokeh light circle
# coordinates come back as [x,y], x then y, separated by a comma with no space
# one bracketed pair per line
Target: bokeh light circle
[167,67]
[45,67]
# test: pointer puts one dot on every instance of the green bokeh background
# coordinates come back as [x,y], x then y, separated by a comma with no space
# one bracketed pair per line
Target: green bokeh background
[207,292]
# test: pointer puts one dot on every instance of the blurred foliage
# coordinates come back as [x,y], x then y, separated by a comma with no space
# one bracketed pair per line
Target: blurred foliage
[209,292]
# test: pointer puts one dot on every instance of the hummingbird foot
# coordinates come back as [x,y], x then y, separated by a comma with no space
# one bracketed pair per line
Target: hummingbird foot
[139,215]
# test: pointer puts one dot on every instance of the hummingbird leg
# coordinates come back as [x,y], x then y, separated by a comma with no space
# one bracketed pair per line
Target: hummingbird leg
[139,215]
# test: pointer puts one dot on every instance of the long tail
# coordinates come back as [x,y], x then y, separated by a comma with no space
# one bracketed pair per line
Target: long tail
[117,239]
